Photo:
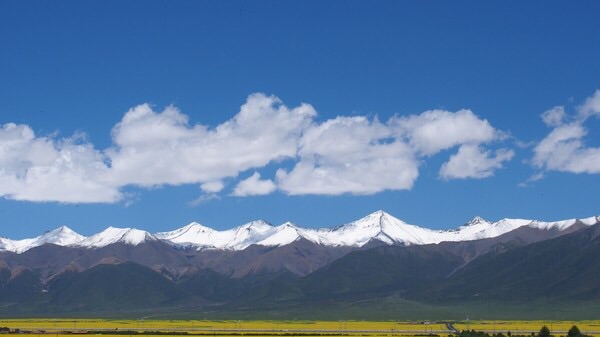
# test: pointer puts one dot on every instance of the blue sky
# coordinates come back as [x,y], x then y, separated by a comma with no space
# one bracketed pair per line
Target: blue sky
[153,114]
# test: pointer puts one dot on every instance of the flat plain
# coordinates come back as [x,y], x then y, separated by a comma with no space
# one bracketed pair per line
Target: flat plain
[116,328]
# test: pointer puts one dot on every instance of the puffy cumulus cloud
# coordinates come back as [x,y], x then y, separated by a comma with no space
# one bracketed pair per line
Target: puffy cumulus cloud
[358,156]
[142,127]
[564,149]
[554,117]
[156,148]
[350,155]
[45,169]
[253,185]
[437,130]
[149,149]
[353,155]
[471,161]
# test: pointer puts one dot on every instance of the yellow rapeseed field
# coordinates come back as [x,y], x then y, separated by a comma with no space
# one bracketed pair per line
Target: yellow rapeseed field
[352,328]
[199,325]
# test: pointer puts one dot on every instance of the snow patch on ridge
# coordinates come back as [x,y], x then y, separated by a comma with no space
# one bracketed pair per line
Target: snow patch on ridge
[112,235]
[479,228]
[564,224]
[282,235]
[62,236]
[590,221]
[192,234]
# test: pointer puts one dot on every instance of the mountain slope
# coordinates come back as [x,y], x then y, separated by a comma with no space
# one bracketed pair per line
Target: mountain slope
[113,287]
[503,268]
[266,248]
[300,257]
[381,270]
[565,267]
[520,274]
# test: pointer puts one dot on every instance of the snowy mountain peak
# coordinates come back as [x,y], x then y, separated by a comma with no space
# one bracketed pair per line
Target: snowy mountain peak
[62,236]
[188,233]
[194,226]
[477,220]
[62,230]
[248,234]
[283,235]
[377,226]
[201,237]
[380,215]
[258,225]
[373,220]
[112,235]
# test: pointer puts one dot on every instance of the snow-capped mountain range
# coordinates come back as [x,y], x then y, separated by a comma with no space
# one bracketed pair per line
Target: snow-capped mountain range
[378,226]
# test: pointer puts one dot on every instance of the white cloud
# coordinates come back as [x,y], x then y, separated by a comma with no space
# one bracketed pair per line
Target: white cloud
[554,117]
[591,106]
[253,185]
[350,155]
[156,148]
[44,169]
[357,156]
[204,198]
[150,148]
[437,130]
[564,149]
[212,187]
[471,161]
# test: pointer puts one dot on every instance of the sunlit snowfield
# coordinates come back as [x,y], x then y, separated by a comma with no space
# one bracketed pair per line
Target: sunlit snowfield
[66,327]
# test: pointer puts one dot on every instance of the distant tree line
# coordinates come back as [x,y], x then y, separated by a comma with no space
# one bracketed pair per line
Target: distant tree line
[544,332]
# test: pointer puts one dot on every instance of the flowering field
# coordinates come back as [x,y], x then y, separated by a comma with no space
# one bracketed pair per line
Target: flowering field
[110,328]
